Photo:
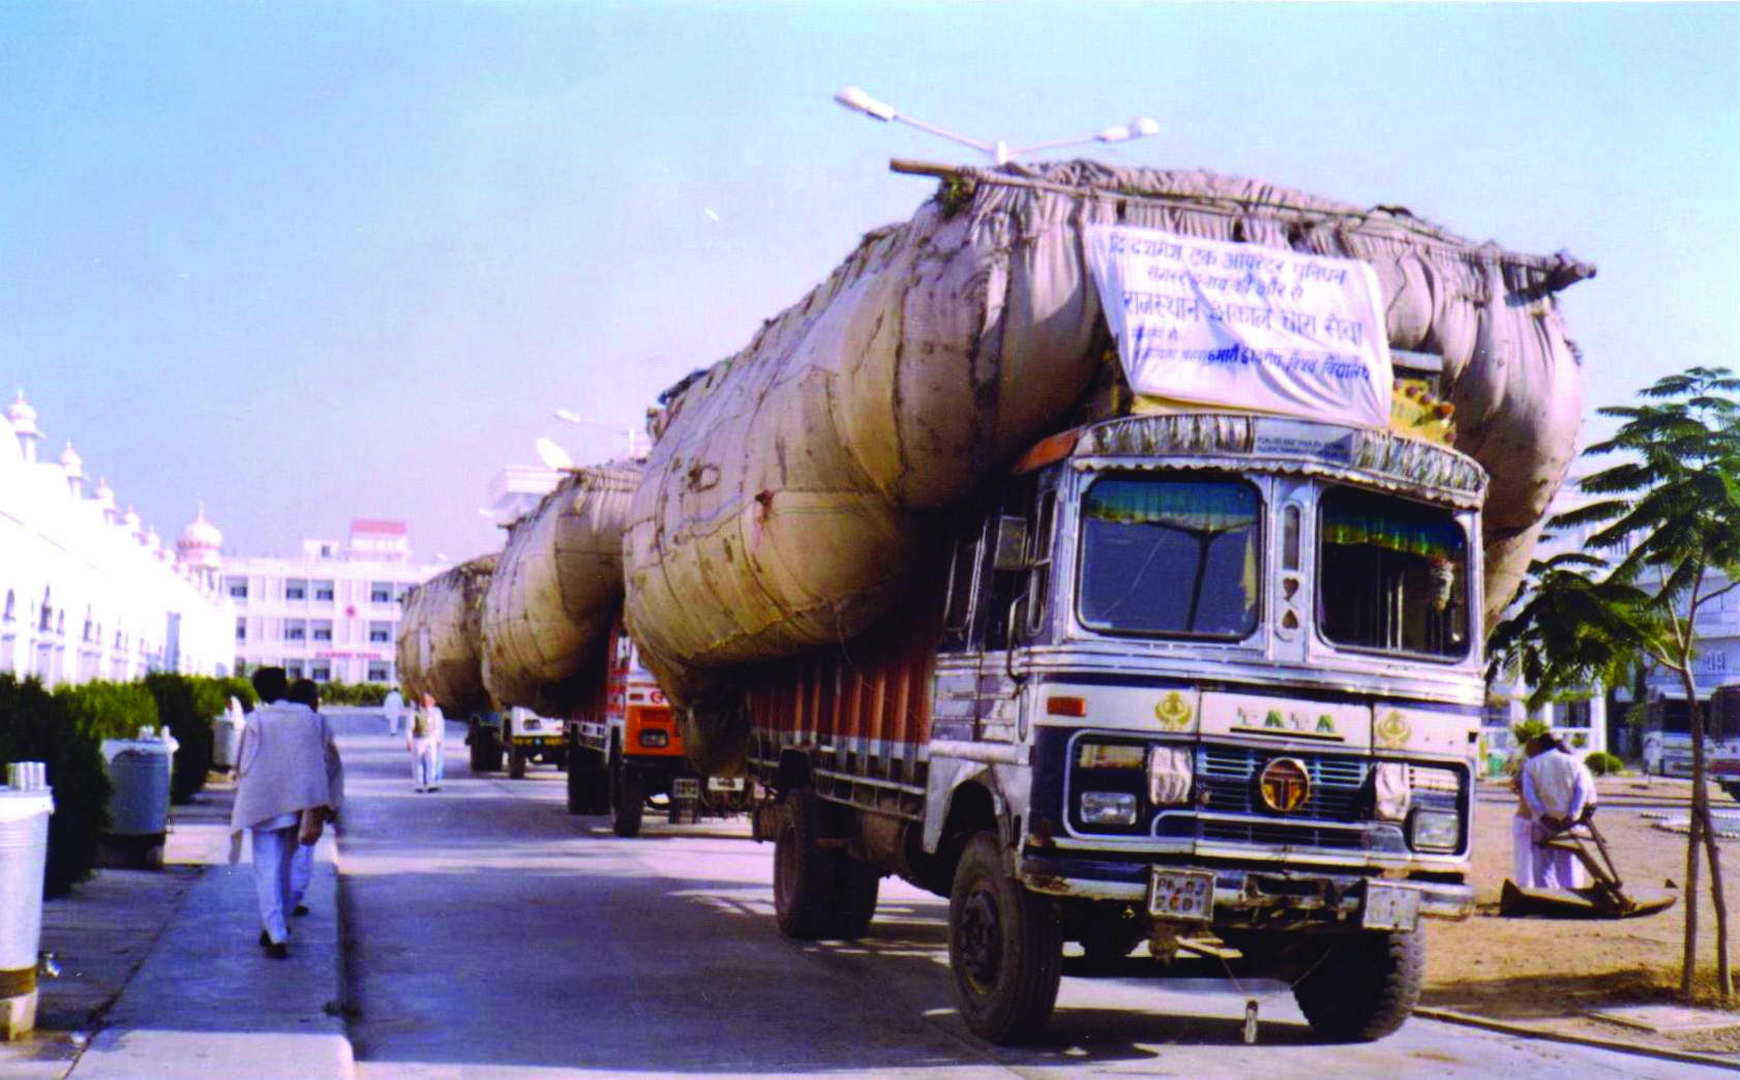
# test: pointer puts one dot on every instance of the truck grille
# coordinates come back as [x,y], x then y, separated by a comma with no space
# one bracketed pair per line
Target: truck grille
[1225,778]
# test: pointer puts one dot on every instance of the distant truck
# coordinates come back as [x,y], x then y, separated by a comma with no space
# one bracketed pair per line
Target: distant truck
[627,749]
[1180,674]
[514,739]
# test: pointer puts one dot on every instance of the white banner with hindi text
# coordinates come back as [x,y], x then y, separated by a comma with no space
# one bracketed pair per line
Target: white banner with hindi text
[1242,326]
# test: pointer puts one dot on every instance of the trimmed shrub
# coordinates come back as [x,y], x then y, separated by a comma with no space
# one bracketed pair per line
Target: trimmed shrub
[338,693]
[63,730]
[1601,763]
[186,705]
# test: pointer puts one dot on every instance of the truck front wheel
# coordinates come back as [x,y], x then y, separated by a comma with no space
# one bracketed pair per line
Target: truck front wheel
[1005,947]
[803,871]
[516,762]
[1364,987]
[587,792]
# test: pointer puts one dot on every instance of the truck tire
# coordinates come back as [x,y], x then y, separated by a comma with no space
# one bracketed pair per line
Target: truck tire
[588,784]
[856,885]
[1364,987]
[477,742]
[1005,947]
[804,873]
[627,799]
[516,762]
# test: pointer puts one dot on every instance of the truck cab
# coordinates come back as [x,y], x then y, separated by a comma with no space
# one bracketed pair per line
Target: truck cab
[1196,675]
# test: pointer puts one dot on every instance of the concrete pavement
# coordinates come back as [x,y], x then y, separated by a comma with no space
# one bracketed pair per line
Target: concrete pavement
[165,968]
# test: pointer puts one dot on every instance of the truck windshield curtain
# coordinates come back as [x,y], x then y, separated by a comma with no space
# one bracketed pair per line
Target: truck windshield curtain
[1176,556]
[1394,575]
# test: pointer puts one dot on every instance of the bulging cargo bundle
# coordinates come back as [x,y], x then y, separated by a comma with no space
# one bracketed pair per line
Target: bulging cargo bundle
[792,483]
[440,637]
[556,591]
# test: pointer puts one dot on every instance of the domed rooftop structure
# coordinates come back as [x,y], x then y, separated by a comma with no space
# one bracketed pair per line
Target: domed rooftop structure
[22,415]
[200,535]
[71,461]
[105,495]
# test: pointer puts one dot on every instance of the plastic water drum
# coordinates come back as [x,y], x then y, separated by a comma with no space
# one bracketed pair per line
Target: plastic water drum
[139,771]
[23,853]
[225,734]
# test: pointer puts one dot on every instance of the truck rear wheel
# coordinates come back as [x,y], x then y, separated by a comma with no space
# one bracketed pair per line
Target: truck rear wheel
[627,799]
[587,790]
[1364,987]
[516,762]
[1005,947]
[803,872]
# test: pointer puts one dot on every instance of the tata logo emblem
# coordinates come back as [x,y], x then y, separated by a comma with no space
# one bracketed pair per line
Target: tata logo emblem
[1284,785]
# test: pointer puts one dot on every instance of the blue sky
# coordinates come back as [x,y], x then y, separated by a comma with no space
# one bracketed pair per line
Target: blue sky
[310,262]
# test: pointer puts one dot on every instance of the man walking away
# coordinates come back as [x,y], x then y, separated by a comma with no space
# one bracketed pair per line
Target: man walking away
[286,762]
[394,706]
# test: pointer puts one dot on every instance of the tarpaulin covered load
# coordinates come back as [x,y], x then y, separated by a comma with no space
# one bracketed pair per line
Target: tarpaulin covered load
[789,488]
[440,647]
[556,591]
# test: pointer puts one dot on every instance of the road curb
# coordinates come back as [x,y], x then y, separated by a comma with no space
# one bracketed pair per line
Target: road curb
[1451,1016]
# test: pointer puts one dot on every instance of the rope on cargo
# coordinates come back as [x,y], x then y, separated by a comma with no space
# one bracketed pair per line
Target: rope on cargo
[1561,270]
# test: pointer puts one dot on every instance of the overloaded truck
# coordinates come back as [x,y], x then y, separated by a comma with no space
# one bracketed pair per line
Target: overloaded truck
[1107,550]
[511,739]
[627,750]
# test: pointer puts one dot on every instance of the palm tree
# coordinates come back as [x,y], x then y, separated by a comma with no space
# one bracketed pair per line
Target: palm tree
[1673,509]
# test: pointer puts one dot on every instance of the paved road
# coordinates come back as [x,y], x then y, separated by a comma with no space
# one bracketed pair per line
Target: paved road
[493,935]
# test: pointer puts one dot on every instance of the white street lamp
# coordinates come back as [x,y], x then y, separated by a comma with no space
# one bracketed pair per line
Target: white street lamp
[569,416]
[858,101]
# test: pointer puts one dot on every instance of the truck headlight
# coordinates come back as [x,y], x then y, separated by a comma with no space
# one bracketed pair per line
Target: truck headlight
[1108,808]
[1170,772]
[1435,830]
[655,738]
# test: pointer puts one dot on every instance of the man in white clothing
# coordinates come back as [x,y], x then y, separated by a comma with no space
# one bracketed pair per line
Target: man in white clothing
[286,763]
[423,738]
[394,706]
[1560,791]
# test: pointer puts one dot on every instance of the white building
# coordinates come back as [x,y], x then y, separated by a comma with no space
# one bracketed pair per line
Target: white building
[89,591]
[330,613]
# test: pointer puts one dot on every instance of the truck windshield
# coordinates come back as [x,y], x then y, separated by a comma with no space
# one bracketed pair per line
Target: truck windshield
[1171,555]
[1394,575]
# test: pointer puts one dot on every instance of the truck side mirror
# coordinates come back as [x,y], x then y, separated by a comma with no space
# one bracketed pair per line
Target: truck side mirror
[1011,543]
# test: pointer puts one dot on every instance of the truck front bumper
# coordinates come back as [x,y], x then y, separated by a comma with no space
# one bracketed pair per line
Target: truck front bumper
[1243,897]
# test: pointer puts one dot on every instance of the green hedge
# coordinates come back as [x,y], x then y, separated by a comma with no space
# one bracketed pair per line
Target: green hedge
[187,705]
[337,693]
[65,730]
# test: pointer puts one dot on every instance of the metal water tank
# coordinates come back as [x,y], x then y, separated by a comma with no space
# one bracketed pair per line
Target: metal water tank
[23,855]
[139,771]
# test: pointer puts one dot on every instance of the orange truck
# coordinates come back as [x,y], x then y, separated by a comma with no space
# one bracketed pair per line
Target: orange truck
[626,753]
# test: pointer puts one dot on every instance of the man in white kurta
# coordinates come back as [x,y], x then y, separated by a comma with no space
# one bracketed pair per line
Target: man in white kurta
[394,706]
[1559,790]
[286,762]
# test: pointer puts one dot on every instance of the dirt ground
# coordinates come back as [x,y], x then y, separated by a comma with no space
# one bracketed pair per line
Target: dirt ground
[1534,969]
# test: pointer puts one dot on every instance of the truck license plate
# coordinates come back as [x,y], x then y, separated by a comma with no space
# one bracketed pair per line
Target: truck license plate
[1181,894]
[1390,907]
[684,787]
[724,783]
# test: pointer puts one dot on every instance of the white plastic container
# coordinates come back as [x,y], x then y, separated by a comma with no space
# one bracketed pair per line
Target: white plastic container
[23,856]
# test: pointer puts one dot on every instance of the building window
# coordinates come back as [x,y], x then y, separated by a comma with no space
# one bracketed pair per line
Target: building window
[238,588]
[321,629]
[241,629]
[380,632]
[378,671]
[381,592]
[293,669]
[321,671]
[1574,714]
[295,588]
[323,591]
[295,630]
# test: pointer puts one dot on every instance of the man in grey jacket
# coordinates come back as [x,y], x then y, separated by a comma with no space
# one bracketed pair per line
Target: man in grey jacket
[286,763]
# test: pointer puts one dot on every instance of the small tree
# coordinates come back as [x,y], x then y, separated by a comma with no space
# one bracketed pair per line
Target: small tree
[1674,510]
